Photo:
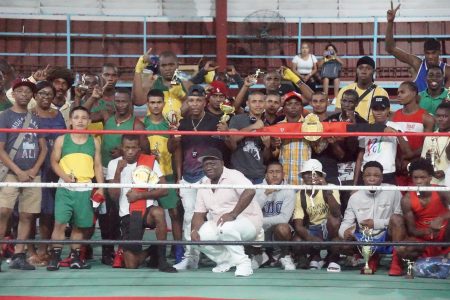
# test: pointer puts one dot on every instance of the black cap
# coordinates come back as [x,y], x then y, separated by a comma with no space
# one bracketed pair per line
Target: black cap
[366,60]
[196,90]
[211,153]
[380,102]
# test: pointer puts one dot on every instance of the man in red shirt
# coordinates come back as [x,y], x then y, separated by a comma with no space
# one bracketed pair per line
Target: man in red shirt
[425,218]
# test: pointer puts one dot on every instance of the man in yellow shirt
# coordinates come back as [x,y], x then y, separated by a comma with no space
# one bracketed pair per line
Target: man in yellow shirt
[317,215]
[365,87]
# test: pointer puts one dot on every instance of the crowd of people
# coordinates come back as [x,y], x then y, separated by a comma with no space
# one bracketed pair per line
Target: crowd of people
[49,99]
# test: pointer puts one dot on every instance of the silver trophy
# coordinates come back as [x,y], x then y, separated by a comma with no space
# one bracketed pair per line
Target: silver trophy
[366,250]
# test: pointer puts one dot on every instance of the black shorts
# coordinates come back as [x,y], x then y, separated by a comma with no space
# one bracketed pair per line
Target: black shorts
[125,230]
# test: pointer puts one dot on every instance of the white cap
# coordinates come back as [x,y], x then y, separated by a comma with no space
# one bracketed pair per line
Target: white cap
[312,165]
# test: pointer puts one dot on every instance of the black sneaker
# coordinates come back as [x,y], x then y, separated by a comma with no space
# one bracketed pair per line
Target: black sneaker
[19,262]
[53,264]
[76,262]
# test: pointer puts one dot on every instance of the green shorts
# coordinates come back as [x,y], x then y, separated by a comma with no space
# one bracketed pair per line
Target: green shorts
[74,207]
[172,199]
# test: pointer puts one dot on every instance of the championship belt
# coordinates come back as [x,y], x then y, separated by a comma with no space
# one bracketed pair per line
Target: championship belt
[298,127]
[312,124]
[142,174]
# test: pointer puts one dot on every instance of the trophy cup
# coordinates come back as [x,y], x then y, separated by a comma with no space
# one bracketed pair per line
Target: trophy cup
[175,78]
[155,151]
[366,250]
[312,124]
[410,269]
[227,108]
[254,78]
[83,84]
[432,153]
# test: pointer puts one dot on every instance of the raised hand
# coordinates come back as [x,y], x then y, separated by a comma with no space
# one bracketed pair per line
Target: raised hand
[210,66]
[146,56]
[391,13]
[41,74]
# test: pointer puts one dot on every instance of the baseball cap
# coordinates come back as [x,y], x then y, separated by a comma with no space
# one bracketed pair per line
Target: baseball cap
[312,165]
[23,82]
[196,90]
[218,87]
[366,60]
[380,102]
[211,153]
[292,95]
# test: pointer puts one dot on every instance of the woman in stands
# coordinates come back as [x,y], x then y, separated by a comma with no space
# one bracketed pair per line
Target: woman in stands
[331,66]
[305,65]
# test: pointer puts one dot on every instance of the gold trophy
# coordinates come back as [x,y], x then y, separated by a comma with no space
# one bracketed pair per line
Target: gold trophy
[410,269]
[433,153]
[366,250]
[312,124]
[227,108]
[172,118]
[155,151]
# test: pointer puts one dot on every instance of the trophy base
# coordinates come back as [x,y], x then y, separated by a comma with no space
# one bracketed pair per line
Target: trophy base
[409,276]
[367,271]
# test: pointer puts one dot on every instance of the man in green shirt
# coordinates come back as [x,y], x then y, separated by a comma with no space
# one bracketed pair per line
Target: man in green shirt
[4,102]
[122,119]
[159,147]
[436,92]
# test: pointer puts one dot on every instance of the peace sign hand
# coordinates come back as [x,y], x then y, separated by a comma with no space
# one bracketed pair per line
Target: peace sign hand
[41,74]
[391,13]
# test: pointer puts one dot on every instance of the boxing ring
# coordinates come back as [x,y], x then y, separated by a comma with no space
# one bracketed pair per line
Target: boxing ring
[103,282]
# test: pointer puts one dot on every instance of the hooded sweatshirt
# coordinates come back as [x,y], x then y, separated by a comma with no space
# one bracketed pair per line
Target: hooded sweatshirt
[379,206]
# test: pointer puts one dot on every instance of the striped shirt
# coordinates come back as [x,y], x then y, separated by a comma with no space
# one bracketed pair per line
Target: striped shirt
[293,153]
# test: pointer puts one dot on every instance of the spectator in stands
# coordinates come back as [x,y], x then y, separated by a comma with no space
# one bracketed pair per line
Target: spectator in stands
[277,208]
[317,215]
[272,114]
[304,65]
[231,215]
[62,79]
[435,93]
[349,145]
[381,149]
[120,170]
[434,146]
[75,158]
[48,118]
[331,66]
[325,149]
[426,218]
[90,95]
[121,118]
[110,75]
[365,87]
[173,87]
[4,101]
[23,156]
[431,49]
[410,118]
[250,153]
[376,210]
[8,72]
[159,147]
[188,169]
[292,152]
[217,94]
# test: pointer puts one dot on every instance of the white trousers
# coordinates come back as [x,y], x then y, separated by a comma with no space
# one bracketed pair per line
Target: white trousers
[188,198]
[240,229]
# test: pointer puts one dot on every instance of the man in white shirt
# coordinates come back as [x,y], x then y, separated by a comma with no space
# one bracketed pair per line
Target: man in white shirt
[120,170]
[231,215]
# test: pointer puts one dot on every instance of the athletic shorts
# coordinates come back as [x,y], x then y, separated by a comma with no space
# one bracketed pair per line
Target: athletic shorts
[172,199]
[125,230]
[74,207]
[432,251]
[29,198]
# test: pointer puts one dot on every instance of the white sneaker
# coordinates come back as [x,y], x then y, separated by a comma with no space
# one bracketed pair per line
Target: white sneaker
[222,268]
[287,263]
[259,260]
[188,262]
[244,269]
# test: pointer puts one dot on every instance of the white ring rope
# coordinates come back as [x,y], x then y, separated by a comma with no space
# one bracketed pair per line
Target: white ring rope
[226,186]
